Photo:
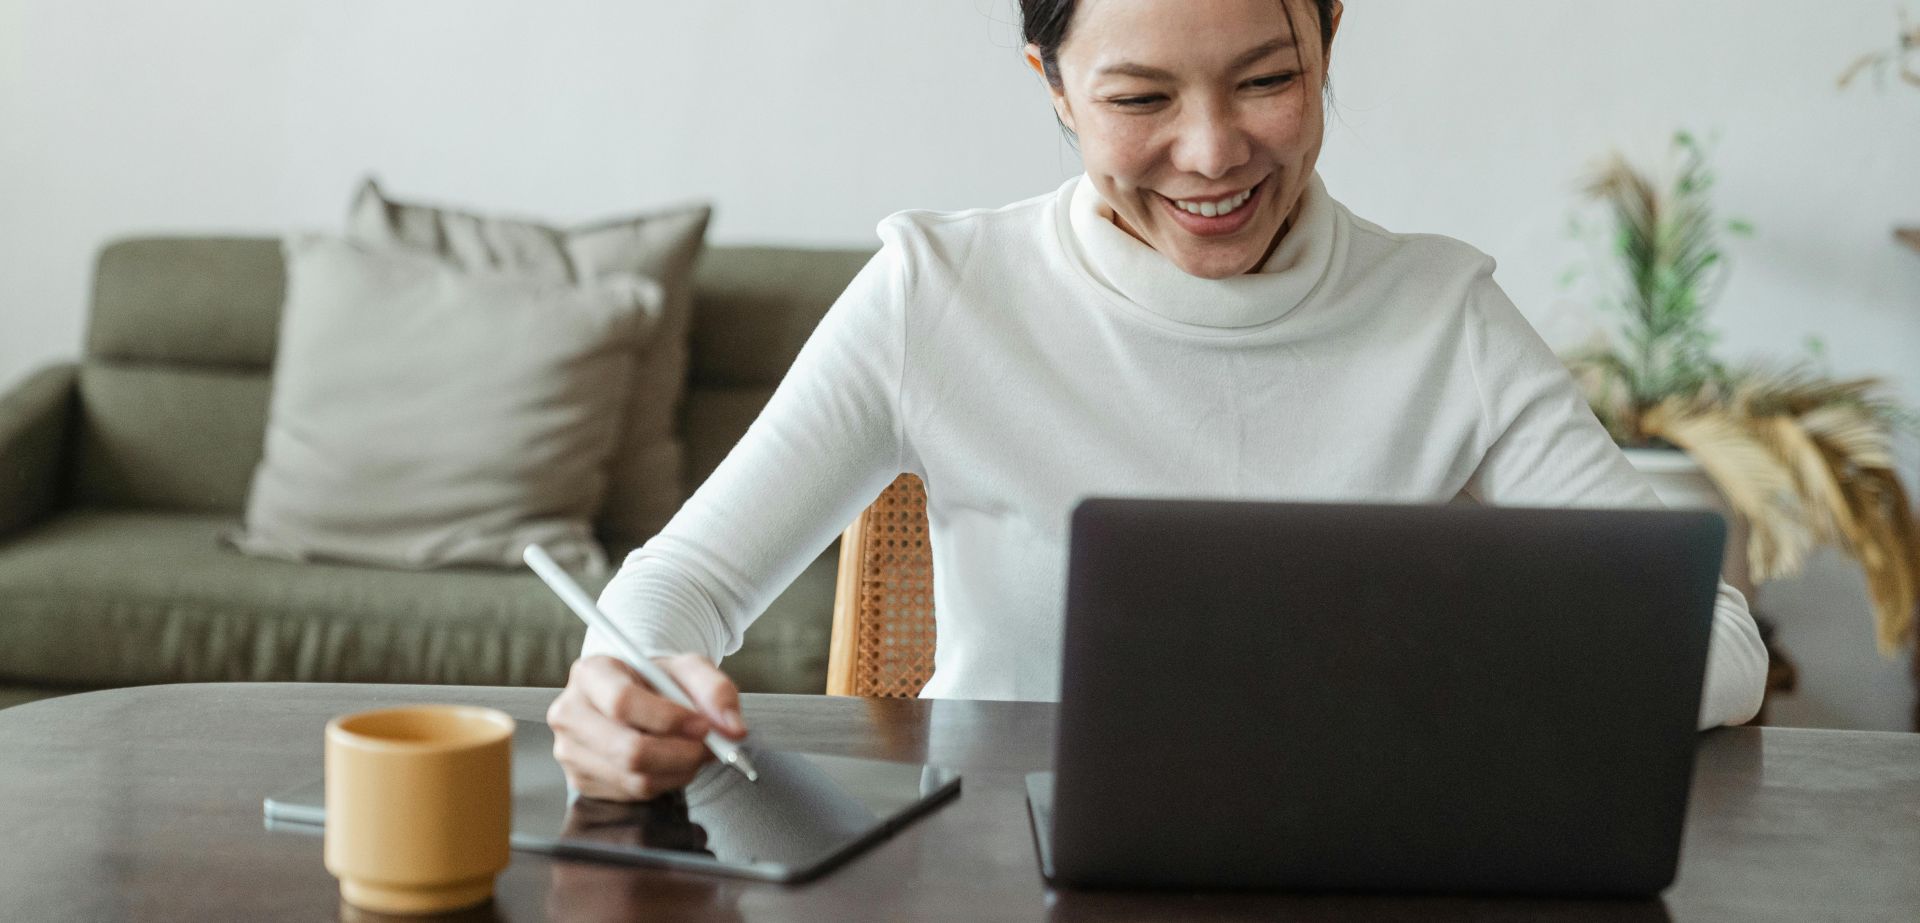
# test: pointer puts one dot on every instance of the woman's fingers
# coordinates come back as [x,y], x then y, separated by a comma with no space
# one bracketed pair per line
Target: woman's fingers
[713,691]
[618,739]
[618,692]
[623,764]
[628,750]
[596,779]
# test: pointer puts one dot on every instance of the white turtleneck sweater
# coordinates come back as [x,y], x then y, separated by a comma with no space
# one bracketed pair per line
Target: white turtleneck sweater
[1018,359]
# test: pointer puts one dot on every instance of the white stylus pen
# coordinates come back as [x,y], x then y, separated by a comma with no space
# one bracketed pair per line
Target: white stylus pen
[583,606]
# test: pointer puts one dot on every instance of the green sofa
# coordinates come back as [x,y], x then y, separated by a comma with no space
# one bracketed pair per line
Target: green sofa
[119,472]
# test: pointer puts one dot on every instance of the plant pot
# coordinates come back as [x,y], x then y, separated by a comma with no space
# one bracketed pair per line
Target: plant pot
[1682,484]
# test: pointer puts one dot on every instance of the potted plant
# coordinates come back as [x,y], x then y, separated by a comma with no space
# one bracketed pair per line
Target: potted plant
[1797,457]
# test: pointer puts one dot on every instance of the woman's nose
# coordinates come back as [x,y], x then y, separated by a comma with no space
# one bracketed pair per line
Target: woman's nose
[1211,143]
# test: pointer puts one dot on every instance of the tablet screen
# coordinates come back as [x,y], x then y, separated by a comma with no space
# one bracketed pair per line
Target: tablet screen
[807,812]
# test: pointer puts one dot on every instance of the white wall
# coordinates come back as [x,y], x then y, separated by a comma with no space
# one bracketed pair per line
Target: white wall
[808,120]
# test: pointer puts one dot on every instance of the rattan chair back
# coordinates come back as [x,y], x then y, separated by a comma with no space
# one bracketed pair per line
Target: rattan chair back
[882,642]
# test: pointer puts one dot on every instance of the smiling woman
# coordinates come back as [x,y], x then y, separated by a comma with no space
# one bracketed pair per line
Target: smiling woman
[1193,316]
[1199,128]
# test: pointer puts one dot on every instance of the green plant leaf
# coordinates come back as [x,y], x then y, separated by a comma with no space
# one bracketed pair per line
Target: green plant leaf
[1816,347]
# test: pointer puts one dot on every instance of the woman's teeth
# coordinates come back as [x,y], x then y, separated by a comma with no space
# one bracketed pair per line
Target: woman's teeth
[1214,209]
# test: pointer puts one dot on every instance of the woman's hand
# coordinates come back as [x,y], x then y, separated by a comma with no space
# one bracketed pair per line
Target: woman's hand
[619,740]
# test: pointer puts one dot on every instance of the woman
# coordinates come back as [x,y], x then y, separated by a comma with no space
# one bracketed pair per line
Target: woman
[1192,316]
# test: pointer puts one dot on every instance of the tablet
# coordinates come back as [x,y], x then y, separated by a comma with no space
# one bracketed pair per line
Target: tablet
[808,813]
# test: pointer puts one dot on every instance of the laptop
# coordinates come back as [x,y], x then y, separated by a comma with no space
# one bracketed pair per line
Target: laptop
[1377,698]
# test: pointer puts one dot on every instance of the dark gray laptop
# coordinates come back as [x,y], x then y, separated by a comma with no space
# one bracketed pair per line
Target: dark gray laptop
[1438,699]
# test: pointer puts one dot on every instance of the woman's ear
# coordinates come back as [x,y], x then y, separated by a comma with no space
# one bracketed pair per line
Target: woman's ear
[1036,62]
[1060,108]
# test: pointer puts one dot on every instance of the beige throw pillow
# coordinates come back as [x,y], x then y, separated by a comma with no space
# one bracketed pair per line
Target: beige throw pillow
[646,474]
[425,415]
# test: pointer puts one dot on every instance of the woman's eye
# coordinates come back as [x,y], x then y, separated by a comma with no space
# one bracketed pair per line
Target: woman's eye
[1269,82]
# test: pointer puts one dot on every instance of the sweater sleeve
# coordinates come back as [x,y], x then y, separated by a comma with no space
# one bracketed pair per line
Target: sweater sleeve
[1545,448]
[826,444]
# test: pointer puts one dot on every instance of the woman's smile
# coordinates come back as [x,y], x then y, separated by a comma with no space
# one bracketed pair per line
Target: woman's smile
[1214,217]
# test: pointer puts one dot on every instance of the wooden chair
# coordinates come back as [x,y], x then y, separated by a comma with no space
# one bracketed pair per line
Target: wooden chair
[882,642]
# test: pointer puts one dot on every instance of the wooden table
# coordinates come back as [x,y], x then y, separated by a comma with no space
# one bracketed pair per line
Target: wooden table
[144,804]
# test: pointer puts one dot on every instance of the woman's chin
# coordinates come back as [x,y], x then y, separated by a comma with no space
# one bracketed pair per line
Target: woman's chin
[1215,262]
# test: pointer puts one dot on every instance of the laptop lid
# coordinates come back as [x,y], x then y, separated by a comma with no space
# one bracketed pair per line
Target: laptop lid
[1380,697]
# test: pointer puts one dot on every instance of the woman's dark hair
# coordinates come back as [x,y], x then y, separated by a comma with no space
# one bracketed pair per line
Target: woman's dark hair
[1044,23]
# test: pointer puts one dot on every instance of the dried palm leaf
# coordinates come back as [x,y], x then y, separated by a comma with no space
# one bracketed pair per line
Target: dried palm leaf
[1757,486]
[1857,445]
[1853,433]
[1762,389]
[1823,500]
[1839,460]
[1890,572]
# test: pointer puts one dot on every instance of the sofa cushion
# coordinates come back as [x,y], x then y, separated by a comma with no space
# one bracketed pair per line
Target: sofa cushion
[646,482]
[177,322]
[35,425]
[200,300]
[169,437]
[755,308]
[173,389]
[758,305]
[106,598]
[21,695]
[424,415]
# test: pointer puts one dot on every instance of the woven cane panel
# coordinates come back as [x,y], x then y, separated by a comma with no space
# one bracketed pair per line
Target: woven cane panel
[893,653]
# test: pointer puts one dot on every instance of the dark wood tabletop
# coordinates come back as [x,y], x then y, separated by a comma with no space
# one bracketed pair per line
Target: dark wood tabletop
[144,804]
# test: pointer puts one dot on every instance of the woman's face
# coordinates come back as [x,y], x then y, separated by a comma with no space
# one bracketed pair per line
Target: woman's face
[1185,107]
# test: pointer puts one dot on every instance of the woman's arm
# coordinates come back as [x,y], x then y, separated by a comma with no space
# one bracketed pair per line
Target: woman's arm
[1545,448]
[825,445]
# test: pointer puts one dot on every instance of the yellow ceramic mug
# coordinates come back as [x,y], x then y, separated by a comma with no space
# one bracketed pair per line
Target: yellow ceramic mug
[419,806]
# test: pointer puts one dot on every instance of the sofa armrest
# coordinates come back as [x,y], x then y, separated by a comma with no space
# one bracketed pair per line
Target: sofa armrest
[35,418]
